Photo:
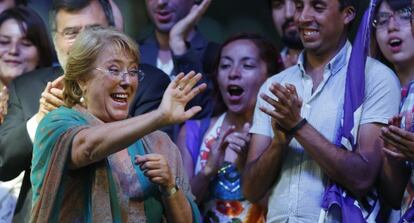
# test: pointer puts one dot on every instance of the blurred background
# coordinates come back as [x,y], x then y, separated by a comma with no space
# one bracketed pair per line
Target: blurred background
[223,18]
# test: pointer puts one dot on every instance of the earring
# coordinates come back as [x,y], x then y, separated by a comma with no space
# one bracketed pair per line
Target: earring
[82,100]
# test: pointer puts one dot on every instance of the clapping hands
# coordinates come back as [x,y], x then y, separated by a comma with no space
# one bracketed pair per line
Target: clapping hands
[398,142]
[228,141]
[286,109]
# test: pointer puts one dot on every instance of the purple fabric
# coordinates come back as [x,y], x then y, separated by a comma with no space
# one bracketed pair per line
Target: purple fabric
[408,216]
[354,96]
[194,136]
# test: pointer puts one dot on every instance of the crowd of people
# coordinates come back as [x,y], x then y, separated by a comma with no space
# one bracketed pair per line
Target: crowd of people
[178,128]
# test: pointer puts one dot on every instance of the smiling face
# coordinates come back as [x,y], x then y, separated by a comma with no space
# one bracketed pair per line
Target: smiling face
[108,97]
[166,13]
[241,72]
[17,53]
[322,24]
[395,41]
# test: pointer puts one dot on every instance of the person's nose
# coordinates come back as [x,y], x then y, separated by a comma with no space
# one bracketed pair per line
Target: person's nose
[234,73]
[290,9]
[392,24]
[14,49]
[304,15]
[161,2]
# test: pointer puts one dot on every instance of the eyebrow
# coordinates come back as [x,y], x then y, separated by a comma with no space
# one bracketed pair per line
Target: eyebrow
[80,27]
[243,58]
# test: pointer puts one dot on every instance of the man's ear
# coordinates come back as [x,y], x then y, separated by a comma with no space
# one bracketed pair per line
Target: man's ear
[349,14]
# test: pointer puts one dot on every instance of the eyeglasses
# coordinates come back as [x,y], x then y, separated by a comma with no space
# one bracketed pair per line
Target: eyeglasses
[402,17]
[117,73]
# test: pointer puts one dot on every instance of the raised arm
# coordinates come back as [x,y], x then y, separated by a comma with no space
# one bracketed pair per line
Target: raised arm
[179,33]
[94,143]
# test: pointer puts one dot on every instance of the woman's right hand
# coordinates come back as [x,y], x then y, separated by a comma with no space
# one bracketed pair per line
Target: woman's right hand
[216,155]
[398,142]
[178,93]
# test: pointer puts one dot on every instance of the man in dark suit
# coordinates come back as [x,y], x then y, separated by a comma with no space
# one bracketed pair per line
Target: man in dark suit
[25,110]
[176,45]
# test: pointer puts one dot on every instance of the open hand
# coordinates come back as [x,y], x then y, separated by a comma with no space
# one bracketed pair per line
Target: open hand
[179,32]
[179,92]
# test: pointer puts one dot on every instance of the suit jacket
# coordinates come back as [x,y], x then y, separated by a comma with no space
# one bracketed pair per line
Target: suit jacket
[16,146]
[199,57]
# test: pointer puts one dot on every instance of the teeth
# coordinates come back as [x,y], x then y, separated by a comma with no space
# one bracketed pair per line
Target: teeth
[393,41]
[120,96]
[308,33]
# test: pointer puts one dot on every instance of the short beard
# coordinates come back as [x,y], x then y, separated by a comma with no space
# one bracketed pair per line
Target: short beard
[292,41]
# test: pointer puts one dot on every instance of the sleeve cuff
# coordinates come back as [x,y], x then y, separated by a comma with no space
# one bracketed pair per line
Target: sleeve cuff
[31,127]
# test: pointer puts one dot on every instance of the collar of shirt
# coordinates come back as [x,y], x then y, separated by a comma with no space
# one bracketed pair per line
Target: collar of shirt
[335,64]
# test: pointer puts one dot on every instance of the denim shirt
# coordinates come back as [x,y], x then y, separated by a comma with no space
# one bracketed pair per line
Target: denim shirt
[297,193]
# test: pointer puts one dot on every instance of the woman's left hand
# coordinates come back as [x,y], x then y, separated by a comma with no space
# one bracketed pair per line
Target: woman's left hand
[238,141]
[156,168]
[179,92]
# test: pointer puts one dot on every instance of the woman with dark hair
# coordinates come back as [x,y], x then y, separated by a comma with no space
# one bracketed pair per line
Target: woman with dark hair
[214,149]
[394,45]
[24,46]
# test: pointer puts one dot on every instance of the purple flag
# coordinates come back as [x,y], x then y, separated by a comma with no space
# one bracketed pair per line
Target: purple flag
[354,211]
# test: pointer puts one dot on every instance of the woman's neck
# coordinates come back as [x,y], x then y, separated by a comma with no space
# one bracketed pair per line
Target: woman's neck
[405,73]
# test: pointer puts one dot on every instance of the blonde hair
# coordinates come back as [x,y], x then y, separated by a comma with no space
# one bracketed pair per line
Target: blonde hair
[84,53]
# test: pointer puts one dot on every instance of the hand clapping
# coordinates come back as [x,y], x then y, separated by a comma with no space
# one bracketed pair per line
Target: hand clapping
[398,142]
[286,109]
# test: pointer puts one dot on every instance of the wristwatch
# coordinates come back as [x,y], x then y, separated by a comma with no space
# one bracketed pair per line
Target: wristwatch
[170,192]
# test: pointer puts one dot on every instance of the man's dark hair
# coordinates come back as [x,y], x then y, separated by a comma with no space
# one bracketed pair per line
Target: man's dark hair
[345,3]
[77,5]
[21,2]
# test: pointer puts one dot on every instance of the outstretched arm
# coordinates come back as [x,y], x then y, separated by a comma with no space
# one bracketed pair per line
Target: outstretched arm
[93,144]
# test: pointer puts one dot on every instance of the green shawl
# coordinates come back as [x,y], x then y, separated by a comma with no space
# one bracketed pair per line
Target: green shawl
[93,193]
